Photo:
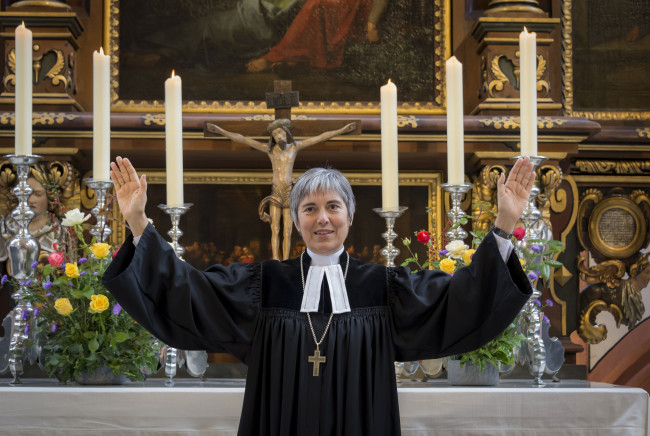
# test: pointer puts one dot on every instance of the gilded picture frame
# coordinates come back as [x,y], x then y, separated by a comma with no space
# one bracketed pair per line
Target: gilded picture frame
[224,213]
[147,42]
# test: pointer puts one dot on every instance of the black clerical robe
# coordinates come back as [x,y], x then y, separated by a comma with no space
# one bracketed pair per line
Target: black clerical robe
[253,311]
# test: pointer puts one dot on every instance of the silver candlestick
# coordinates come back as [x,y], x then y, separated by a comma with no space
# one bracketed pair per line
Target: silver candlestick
[531,316]
[100,230]
[196,361]
[455,214]
[23,252]
[390,252]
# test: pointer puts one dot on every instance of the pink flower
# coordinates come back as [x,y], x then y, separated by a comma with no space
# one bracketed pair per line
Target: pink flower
[56,259]
[115,253]
[519,233]
[424,236]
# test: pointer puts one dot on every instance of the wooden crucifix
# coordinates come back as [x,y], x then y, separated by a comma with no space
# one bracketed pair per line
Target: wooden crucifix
[282,150]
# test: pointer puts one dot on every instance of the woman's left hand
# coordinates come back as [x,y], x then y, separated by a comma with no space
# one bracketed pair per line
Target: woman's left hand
[513,194]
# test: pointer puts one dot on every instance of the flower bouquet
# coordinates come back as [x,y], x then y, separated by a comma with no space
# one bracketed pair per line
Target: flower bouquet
[76,321]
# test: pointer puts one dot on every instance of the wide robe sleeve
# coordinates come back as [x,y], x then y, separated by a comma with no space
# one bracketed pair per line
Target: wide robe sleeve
[182,306]
[433,314]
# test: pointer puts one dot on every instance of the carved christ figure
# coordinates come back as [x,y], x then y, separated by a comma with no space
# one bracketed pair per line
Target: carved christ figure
[282,149]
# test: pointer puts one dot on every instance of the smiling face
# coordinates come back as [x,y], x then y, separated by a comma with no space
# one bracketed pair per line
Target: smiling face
[323,222]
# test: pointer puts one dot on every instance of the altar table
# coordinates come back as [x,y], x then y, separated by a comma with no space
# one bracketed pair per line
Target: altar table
[514,407]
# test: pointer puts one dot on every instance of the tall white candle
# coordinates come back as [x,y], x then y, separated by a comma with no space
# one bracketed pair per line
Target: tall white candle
[528,92]
[389,167]
[24,83]
[174,140]
[455,144]
[101,116]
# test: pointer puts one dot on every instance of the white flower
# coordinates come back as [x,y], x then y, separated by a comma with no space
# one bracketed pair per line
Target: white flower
[455,249]
[74,217]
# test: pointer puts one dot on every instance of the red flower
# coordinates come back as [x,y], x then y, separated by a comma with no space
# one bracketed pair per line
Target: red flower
[56,259]
[424,236]
[519,233]
[115,253]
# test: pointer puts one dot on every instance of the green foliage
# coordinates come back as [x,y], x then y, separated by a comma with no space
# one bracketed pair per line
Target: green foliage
[89,330]
[498,350]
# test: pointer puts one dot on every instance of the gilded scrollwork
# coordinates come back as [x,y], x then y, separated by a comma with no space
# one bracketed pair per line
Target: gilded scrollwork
[54,73]
[542,85]
[499,76]
[549,177]
[612,167]
[609,291]
[644,133]
[151,119]
[512,123]
[44,118]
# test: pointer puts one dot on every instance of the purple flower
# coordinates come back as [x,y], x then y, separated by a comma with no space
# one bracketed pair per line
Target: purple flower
[54,327]
[549,303]
[537,303]
[117,309]
[28,282]
[49,294]
[4,279]
[70,284]
[37,310]
[95,273]
[546,320]
[443,252]
[22,283]
[532,276]
[536,248]
[82,260]
[34,264]
[27,329]
[24,315]
[47,285]
[82,273]
[63,267]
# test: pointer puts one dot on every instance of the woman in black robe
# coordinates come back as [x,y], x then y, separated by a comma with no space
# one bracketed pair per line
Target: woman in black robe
[320,356]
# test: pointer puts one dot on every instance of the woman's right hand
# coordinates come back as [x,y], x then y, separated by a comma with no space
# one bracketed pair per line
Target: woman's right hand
[131,194]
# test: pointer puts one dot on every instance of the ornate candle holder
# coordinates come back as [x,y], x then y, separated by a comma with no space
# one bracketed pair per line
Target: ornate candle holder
[455,214]
[100,230]
[196,361]
[390,252]
[530,314]
[23,252]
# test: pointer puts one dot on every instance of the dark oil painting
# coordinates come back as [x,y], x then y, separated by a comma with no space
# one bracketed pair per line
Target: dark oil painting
[223,225]
[611,55]
[233,50]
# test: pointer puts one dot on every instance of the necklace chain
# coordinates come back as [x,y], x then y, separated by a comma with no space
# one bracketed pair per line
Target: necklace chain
[329,321]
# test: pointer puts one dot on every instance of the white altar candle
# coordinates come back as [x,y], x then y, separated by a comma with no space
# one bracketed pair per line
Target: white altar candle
[23,95]
[101,116]
[455,146]
[174,140]
[528,93]
[389,167]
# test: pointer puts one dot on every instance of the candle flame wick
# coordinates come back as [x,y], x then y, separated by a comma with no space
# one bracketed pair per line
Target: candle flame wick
[23,24]
[172,74]
[525,30]
[101,50]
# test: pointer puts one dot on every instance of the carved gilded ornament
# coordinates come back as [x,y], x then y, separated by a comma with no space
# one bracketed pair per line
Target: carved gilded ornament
[485,191]
[150,119]
[44,118]
[612,167]
[644,133]
[269,117]
[54,73]
[500,77]
[512,123]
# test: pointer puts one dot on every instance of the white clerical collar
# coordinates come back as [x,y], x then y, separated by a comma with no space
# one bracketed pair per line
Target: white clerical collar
[322,266]
[324,260]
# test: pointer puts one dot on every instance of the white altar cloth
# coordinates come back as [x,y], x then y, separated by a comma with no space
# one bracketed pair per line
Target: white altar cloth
[213,407]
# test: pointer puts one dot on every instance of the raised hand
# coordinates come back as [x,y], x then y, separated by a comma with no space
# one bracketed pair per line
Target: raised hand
[513,194]
[131,194]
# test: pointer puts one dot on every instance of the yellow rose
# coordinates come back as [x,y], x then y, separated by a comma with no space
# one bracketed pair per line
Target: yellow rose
[522,262]
[467,256]
[448,265]
[98,303]
[72,270]
[63,306]
[100,249]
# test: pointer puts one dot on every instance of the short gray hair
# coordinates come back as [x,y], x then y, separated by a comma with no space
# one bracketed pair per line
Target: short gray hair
[321,180]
